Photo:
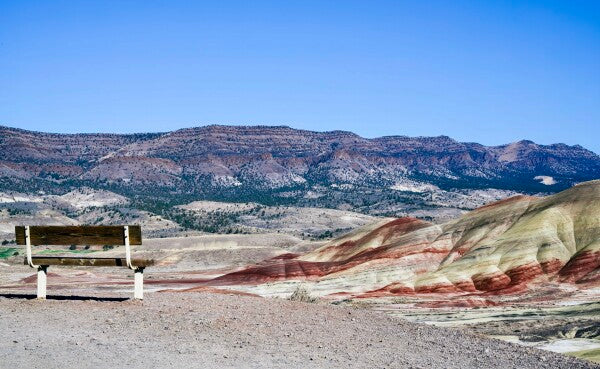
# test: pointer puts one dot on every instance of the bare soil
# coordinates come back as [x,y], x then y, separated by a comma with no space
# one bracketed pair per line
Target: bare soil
[209,330]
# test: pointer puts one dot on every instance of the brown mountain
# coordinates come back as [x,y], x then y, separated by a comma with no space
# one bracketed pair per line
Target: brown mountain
[281,164]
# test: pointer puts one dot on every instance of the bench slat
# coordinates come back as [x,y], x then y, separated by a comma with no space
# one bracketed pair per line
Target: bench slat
[79,235]
[99,262]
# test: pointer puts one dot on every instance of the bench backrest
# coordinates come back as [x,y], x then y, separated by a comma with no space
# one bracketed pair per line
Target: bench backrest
[79,235]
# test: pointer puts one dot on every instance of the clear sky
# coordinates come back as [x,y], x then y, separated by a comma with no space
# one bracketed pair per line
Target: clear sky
[485,71]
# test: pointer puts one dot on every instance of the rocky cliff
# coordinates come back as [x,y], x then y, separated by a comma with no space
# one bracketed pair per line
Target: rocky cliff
[281,165]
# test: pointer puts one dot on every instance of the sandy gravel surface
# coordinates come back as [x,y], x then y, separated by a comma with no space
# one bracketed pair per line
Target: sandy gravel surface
[203,330]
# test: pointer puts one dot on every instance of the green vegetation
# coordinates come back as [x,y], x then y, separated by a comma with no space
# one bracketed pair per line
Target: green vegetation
[592,355]
[8,252]
[13,212]
[324,235]
[303,295]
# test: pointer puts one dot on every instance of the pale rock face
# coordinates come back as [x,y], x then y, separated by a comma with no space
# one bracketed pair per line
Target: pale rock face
[87,197]
[504,248]
[18,197]
[225,181]
[216,206]
[414,186]
[547,180]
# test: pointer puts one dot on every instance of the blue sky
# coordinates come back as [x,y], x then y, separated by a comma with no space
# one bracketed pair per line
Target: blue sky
[484,71]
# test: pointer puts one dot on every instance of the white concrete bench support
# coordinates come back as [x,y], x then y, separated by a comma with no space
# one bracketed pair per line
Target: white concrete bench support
[42,270]
[138,291]
[42,273]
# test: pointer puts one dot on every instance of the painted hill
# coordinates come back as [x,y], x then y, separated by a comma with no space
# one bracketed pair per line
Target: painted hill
[511,247]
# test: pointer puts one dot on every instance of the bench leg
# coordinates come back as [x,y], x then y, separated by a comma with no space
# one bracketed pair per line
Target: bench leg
[41,281]
[138,292]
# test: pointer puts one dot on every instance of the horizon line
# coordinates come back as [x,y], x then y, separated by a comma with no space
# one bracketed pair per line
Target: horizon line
[284,126]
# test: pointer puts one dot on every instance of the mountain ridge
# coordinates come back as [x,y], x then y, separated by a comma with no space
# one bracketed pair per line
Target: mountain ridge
[283,165]
[287,127]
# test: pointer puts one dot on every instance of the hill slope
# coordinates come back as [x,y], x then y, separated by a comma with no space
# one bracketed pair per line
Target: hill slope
[517,247]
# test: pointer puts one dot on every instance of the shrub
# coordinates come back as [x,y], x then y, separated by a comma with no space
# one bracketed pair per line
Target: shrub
[301,294]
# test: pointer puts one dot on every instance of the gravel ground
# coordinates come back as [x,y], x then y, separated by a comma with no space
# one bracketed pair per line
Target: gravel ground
[208,330]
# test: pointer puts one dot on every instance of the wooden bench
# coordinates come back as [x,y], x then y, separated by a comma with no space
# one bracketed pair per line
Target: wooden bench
[83,235]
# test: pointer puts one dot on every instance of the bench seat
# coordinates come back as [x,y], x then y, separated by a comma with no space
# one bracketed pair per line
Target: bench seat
[77,261]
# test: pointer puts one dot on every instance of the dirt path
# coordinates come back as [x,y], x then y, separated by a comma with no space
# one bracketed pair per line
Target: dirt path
[203,330]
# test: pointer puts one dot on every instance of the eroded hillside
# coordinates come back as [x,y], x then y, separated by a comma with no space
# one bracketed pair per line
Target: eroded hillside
[515,249]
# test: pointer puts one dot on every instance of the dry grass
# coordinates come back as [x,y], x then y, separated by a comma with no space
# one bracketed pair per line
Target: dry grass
[303,295]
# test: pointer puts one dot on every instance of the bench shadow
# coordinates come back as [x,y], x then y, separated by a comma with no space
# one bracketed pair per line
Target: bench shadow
[63,297]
